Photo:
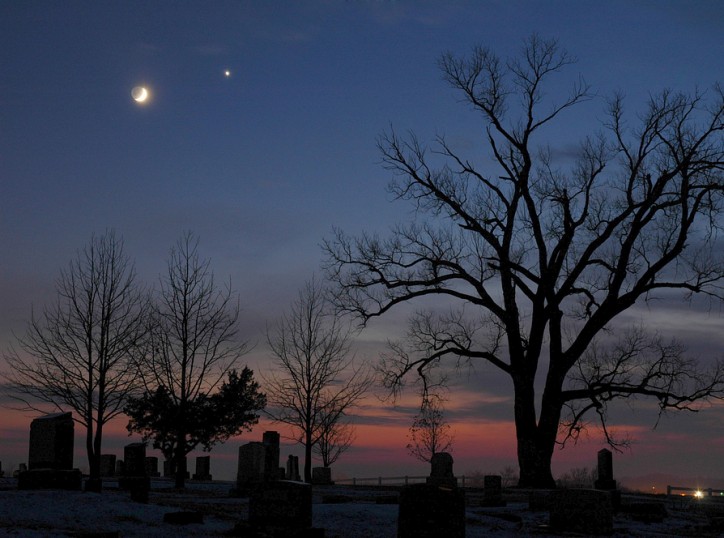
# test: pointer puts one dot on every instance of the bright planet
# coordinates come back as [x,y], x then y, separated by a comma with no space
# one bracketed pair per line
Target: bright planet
[139,94]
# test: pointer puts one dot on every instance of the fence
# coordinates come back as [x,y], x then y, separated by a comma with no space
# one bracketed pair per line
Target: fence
[696,492]
[396,480]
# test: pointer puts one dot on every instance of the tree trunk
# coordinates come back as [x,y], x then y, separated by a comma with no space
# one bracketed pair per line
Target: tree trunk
[308,459]
[95,460]
[536,441]
[180,458]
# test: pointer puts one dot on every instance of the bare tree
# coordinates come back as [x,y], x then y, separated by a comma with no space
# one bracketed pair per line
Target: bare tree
[537,259]
[315,383]
[78,354]
[430,433]
[192,342]
[336,434]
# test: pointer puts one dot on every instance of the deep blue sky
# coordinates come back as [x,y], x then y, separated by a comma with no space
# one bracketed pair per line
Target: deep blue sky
[263,164]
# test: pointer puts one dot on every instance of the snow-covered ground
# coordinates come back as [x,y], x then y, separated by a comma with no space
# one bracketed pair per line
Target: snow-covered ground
[46,513]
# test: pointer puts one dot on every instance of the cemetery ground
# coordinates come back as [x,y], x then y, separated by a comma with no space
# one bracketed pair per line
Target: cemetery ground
[341,510]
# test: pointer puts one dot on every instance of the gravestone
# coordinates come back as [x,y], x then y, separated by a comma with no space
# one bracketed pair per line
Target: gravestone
[293,469]
[51,442]
[441,470]
[50,459]
[322,476]
[605,479]
[134,457]
[587,511]
[120,468]
[270,441]
[135,477]
[169,469]
[250,470]
[108,465]
[605,471]
[493,491]
[203,468]
[430,511]
[151,463]
[282,506]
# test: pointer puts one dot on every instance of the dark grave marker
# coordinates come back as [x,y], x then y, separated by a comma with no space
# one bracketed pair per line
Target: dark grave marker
[441,470]
[203,468]
[108,465]
[587,511]
[51,442]
[429,511]
[270,440]
[493,491]
[322,476]
[281,505]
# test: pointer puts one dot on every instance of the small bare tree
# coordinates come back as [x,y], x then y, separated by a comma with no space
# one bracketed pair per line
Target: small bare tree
[429,434]
[192,342]
[336,435]
[315,383]
[78,354]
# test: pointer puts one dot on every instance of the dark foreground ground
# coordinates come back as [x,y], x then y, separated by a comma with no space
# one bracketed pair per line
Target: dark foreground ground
[362,512]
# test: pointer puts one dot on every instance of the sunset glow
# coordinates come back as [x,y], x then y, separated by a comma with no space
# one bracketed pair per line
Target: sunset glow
[259,129]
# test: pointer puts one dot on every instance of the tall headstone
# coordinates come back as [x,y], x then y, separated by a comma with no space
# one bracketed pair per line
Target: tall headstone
[270,440]
[605,471]
[203,468]
[108,465]
[431,511]
[51,442]
[293,469]
[250,472]
[441,470]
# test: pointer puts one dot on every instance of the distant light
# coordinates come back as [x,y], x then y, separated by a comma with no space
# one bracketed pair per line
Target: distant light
[699,494]
[227,73]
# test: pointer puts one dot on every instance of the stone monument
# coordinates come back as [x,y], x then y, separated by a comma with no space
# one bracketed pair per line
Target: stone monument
[135,476]
[51,442]
[605,479]
[322,476]
[585,511]
[203,468]
[283,506]
[431,511]
[108,465]
[441,470]
[292,472]
[493,491]
[270,440]
[50,459]
[250,471]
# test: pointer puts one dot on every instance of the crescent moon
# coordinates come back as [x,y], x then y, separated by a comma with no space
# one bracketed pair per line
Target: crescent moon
[139,94]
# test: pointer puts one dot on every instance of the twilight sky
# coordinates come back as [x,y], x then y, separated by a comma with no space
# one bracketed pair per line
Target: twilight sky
[262,164]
